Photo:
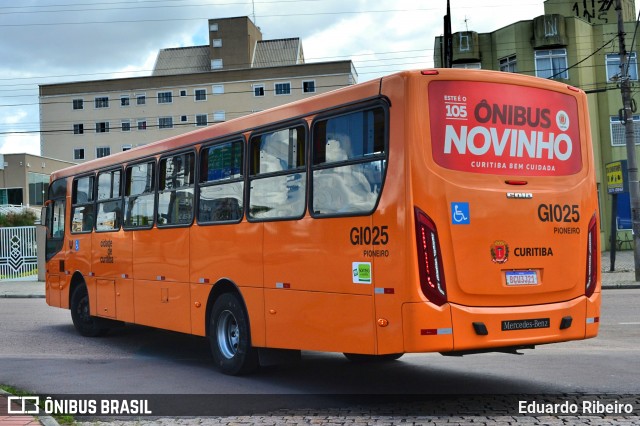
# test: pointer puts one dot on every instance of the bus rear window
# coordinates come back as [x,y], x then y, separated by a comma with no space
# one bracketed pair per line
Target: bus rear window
[504,129]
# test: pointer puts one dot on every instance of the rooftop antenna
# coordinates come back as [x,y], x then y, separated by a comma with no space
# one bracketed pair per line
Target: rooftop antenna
[466,22]
[253,6]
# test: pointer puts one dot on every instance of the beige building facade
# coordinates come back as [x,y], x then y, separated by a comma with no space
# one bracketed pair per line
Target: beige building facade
[574,42]
[24,178]
[236,74]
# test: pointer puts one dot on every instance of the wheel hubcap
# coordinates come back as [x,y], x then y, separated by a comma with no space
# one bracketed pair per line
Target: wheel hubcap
[228,334]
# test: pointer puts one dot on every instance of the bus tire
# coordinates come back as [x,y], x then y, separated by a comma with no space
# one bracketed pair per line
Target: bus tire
[85,324]
[361,358]
[229,336]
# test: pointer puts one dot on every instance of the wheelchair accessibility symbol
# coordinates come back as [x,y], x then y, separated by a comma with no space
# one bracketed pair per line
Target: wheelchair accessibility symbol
[460,214]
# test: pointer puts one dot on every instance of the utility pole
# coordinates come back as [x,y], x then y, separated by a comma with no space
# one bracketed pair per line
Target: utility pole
[447,51]
[626,114]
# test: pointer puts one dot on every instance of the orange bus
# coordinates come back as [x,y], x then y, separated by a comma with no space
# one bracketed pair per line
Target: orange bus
[449,211]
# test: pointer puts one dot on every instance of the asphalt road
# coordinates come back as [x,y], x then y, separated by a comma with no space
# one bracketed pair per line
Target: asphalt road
[40,352]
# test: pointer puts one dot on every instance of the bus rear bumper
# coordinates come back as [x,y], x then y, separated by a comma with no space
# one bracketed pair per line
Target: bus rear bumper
[462,328]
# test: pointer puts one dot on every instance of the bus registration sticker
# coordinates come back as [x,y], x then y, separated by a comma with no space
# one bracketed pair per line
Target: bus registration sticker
[515,278]
[361,272]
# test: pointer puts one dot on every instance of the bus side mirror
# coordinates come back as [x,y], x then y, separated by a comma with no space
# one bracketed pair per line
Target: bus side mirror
[44,213]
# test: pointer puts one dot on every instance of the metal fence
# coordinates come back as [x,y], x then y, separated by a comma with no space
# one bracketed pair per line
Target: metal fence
[18,253]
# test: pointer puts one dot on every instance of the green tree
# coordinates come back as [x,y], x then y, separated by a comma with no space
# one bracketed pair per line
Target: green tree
[25,218]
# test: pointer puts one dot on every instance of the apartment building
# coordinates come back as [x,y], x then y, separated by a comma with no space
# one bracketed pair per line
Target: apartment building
[236,74]
[574,42]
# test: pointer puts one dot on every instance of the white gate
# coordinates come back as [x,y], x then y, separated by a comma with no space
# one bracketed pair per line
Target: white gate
[18,253]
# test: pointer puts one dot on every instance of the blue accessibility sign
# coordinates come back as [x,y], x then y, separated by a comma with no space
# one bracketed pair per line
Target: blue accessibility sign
[460,214]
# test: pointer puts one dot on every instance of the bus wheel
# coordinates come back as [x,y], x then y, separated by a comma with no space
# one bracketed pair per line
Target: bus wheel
[229,336]
[361,358]
[86,324]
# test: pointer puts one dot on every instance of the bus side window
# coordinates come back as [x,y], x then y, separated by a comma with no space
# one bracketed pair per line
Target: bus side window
[109,204]
[57,219]
[82,210]
[349,161]
[175,191]
[221,183]
[278,177]
[139,196]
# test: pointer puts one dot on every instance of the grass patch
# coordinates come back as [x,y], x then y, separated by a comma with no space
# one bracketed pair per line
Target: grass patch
[63,419]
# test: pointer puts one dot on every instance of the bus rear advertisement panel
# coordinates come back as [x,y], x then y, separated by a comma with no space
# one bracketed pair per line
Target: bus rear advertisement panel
[443,210]
[502,129]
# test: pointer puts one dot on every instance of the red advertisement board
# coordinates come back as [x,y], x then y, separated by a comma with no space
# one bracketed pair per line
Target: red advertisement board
[503,129]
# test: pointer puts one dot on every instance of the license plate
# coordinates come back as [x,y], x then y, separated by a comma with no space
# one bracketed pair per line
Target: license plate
[521,277]
[525,324]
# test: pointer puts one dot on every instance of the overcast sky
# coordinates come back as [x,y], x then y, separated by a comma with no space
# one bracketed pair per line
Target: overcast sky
[47,41]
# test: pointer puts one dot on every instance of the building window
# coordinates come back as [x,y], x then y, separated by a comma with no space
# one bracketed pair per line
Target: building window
[102,151]
[217,89]
[617,131]
[142,124]
[165,122]
[125,101]
[219,116]
[613,66]
[213,27]
[11,196]
[201,94]
[126,125]
[102,127]
[309,86]
[184,118]
[551,63]
[38,187]
[508,64]
[216,64]
[465,46]
[258,90]
[78,129]
[101,102]
[78,104]
[216,42]
[469,66]
[201,120]
[141,99]
[165,97]
[78,154]
[126,147]
[282,89]
[183,93]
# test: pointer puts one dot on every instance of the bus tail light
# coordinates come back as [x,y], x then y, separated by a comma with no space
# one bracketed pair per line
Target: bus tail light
[429,259]
[592,246]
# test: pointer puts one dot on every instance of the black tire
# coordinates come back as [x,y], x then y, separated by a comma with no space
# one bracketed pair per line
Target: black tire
[361,358]
[85,324]
[230,338]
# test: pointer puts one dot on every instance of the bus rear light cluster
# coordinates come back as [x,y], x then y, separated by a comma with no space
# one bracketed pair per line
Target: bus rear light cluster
[592,246]
[429,260]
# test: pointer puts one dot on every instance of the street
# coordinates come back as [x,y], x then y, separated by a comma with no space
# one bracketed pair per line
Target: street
[42,353]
